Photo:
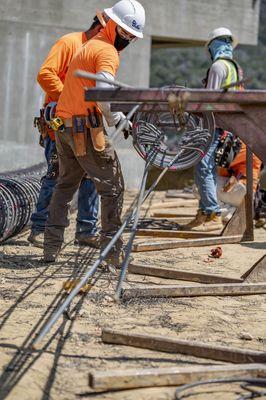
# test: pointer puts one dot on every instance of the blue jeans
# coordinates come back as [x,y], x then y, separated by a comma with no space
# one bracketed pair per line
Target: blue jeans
[88,199]
[205,179]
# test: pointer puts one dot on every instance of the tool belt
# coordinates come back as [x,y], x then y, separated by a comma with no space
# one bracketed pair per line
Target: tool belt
[43,128]
[81,126]
[227,149]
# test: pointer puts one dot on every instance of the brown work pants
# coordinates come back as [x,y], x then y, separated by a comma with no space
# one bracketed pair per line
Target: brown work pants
[105,171]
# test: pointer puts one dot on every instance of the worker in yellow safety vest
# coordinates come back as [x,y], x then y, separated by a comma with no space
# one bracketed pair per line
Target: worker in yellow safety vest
[223,72]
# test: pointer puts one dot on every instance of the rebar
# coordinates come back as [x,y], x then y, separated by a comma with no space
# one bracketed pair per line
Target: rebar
[19,193]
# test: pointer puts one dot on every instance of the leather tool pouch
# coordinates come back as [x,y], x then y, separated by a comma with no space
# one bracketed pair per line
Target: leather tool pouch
[79,132]
[95,124]
[40,123]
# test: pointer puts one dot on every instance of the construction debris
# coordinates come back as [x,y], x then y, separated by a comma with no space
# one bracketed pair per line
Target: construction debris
[174,376]
[228,289]
[192,348]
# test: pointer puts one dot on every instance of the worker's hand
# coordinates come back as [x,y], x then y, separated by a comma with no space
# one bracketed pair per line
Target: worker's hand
[49,111]
[230,184]
[127,126]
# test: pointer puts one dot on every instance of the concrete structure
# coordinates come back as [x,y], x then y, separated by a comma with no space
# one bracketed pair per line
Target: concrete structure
[28,29]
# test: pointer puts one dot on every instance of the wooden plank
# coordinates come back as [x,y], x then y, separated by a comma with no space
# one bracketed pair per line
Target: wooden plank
[169,214]
[257,273]
[171,376]
[176,244]
[192,348]
[237,224]
[172,204]
[161,272]
[173,233]
[226,289]
[174,194]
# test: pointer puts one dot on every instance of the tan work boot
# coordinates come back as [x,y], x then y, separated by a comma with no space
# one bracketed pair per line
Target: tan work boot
[197,221]
[82,239]
[36,238]
[213,223]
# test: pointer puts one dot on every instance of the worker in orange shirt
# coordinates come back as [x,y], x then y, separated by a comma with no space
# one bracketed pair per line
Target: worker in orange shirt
[51,78]
[231,182]
[81,141]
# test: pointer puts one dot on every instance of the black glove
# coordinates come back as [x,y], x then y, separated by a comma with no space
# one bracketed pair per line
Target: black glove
[127,130]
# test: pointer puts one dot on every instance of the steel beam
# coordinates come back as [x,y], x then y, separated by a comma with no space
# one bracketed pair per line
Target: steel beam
[155,95]
[241,112]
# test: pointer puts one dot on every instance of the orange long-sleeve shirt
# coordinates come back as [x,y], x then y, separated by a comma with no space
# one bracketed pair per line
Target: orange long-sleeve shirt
[98,55]
[238,165]
[51,76]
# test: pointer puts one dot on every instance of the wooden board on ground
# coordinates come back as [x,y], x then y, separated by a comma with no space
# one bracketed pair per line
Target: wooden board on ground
[226,289]
[192,348]
[171,204]
[171,214]
[161,272]
[257,273]
[237,224]
[173,194]
[173,376]
[174,233]
[176,244]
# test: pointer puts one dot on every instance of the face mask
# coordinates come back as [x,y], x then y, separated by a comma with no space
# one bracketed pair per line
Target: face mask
[120,43]
[221,48]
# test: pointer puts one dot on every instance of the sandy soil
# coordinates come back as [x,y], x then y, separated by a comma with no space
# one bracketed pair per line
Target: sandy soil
[30,291]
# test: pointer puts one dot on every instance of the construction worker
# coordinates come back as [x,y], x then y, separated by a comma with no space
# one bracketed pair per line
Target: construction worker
[223,71]
[82,144]
[232,181]
[51,78]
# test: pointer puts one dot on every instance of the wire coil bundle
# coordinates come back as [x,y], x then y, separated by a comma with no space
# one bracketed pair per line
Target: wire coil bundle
[18,197]
[162,129]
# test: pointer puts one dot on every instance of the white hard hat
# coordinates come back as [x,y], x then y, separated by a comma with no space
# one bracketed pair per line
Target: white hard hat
[130,15]
[221,32]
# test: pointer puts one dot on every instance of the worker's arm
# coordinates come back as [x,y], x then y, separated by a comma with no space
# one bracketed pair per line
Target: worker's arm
[55,64]
[107,63]
[217,75]
[112,118]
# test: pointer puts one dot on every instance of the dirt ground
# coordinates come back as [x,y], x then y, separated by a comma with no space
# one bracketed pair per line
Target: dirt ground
[58,369]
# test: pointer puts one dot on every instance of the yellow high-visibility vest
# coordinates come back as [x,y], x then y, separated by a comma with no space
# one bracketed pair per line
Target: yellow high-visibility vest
[232,75]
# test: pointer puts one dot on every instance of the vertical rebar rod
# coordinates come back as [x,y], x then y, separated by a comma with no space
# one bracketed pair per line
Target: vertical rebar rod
[249,234]
[141,200]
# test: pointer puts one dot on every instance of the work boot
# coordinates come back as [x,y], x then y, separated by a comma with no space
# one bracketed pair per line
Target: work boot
[116,255]
[260,223]
[82,239]
[36,238]
[50,255]
[197,221]
[227,213]
[213,223]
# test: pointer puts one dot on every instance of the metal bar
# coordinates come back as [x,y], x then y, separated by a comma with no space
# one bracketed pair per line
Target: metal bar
[249,234]
[124,123]
[83,281]
[91,272]
[141,200]
[129,245]
[192,107]
[155,95]
[94,77]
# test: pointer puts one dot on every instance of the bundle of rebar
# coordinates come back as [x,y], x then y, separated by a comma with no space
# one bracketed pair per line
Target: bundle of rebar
[19,192]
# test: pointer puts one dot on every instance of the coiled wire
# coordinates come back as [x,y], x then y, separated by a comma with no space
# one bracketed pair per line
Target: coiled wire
[19,191]
[196,136]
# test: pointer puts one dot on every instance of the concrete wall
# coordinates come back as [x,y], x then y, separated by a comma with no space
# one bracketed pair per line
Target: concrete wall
[28,28]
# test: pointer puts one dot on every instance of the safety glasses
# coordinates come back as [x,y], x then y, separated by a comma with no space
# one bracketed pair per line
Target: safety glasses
[124,34]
